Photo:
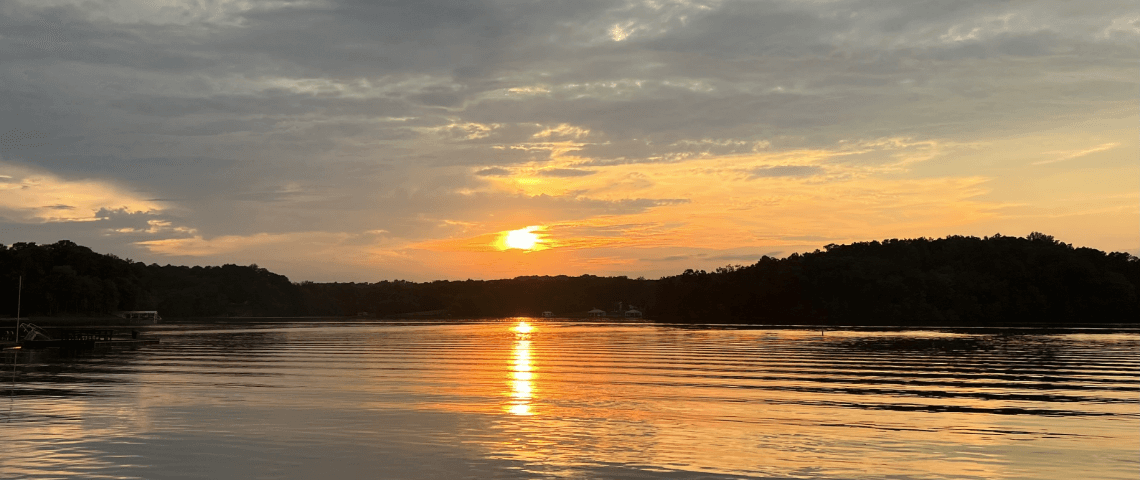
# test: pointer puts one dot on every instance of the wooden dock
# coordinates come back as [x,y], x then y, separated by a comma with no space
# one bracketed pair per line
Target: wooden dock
[127,342]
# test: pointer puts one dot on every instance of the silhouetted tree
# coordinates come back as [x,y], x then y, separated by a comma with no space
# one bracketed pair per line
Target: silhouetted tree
[955,280]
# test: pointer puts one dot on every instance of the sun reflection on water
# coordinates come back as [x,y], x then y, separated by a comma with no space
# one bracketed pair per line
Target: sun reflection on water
[522,376]
[614,401]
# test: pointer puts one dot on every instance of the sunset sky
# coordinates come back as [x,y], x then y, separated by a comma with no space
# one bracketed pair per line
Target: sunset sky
[362,140]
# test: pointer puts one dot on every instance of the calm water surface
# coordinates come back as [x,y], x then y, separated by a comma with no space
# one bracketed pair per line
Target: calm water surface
[524,398]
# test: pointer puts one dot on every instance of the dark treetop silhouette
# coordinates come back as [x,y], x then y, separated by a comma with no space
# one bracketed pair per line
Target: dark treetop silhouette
[950,281]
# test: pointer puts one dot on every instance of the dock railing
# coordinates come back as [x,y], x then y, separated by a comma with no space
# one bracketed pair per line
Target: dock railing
[29,331]
[102,335]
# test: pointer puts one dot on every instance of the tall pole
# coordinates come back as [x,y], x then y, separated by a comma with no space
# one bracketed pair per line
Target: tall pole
[19,298]
[12,391]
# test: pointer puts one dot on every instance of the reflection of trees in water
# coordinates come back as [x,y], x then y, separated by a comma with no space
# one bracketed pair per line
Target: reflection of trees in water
[1006,355]
[54,372]
[952,345]
[1043,351]
[239,351]
[995,374]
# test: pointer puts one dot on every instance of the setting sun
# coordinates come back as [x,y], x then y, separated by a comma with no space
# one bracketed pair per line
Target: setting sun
[522,239]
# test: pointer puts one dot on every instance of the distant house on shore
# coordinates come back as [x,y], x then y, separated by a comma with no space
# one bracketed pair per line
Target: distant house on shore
[597,312]
[633,313]
[547,314]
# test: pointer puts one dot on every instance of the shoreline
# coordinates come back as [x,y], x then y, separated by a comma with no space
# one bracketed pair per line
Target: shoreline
[107,321]
[1012,328]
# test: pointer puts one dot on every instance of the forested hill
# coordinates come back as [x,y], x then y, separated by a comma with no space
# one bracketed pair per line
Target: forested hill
[68,279]
[65,279]
[949,281]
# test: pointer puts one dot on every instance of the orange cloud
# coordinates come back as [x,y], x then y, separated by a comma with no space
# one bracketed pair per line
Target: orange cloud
[33,196]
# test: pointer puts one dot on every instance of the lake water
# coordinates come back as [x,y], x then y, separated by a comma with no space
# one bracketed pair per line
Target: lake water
[526,398]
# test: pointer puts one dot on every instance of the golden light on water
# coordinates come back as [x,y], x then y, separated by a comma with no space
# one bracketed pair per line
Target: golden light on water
[522,375]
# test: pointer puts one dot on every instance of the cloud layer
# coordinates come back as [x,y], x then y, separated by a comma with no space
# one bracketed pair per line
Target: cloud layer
[282,132]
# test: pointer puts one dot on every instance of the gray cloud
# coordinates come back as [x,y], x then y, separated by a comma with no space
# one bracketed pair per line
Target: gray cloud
[352,114]
[493,172]
[750,257]
[565,172]
[785,171]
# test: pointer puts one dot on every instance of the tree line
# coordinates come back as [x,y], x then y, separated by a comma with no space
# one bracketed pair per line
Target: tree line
[956,280]
[64,279]
[520,296]
[950,281]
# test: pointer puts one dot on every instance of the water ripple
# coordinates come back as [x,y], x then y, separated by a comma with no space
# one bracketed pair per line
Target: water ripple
[521,398]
